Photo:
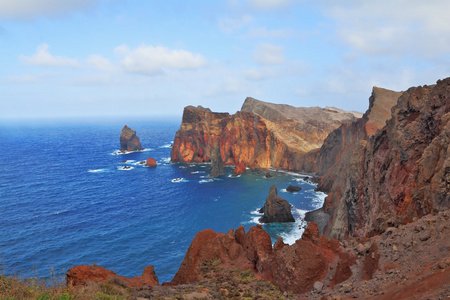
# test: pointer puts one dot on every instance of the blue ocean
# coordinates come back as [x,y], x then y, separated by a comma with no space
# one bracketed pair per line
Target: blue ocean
[68,198]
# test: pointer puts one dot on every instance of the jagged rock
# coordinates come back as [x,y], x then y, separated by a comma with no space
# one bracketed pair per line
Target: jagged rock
[217,168]
[253,136]
[82,275]
[129,141]
[239,169]
[292,268]
[276,209]
[293,189]
[151,162]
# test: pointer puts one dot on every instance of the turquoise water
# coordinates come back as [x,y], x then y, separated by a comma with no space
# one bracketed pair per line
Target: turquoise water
[66,199]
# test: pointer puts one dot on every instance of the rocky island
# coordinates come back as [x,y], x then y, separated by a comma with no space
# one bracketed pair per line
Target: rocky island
[129,141]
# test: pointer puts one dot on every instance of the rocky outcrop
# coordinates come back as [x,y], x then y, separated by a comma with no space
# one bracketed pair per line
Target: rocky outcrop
[261,135]
[293,189]
[151,162]
[380,177]
[239,169]
[276,209]
[217,168]
[82,275]
[292,268]
[129,141]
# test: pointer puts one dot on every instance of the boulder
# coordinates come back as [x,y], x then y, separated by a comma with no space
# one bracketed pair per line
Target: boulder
[129,141]
[276,209]
[151,162]
[293,189]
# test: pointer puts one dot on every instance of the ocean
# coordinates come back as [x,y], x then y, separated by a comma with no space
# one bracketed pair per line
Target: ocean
[68,198]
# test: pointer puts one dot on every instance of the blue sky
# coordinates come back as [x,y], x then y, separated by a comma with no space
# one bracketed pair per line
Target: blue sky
[114,58]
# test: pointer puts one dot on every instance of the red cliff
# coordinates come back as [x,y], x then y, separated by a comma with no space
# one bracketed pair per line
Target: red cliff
[261,135]
[380,174]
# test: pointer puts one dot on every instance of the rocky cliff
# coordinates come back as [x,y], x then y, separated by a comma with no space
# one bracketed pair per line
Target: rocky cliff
[276,209]
[386,174]
[261,135]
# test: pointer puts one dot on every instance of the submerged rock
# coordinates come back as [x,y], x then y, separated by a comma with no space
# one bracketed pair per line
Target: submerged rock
[129,141]
[276,209]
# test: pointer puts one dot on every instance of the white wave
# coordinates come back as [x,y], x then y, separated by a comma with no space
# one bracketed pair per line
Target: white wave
[140,163]
[179,180]
[165,159]
[206,180]
[166,146]
[319,199]
[299,227]
[128,161]
[118,152]
[197,172]
[234,176]
[125,168]
[283,190]
[97,170]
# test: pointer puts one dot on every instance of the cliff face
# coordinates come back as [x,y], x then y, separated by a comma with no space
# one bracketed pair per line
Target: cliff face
[385,176]
[261,135]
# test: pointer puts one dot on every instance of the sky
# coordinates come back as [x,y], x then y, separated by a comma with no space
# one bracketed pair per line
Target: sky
[148,59]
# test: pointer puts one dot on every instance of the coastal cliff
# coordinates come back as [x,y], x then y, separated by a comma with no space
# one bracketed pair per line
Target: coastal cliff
[386,174]
[261,135]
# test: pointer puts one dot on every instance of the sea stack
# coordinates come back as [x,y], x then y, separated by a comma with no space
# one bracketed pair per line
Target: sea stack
[129,141]
[216,161]
[276,209]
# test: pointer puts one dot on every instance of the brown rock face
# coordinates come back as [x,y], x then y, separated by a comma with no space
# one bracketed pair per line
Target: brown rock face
[129,141]
[217,168]
[261,135]
[240,168]
[292,268]
[276,209]
[151,162]
[387,176]
[81,275]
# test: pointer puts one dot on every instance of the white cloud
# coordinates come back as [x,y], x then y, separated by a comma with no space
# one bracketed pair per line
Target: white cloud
[268,54]
[28,9]
[393,28]
[262,32]
[153,60]
[269,4]
[229,25]
[100,63]
[44,58]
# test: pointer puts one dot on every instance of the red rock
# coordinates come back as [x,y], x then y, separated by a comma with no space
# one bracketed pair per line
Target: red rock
[82,275]
[240,168]
[151,162]
[261,135]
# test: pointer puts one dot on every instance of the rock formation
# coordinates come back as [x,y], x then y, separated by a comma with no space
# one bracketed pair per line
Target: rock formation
[292,268]
[378,177]
[129,141]
[261,135]
[217,168]
[82,275]
[293,189]
[239,169]
[276,209]
[151,162]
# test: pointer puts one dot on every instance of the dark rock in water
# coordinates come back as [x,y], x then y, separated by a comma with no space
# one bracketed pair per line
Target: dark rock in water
[129,141]
[268,175]
[151,162]
[276,209]
[217,168]
[293,188]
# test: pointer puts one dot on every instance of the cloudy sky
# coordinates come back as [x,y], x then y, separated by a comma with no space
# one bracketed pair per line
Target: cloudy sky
[113,58]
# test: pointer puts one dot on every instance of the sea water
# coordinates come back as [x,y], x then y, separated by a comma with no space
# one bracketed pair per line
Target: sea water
[67,197]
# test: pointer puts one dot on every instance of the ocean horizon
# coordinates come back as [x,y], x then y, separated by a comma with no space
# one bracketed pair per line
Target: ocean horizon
[67,197]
